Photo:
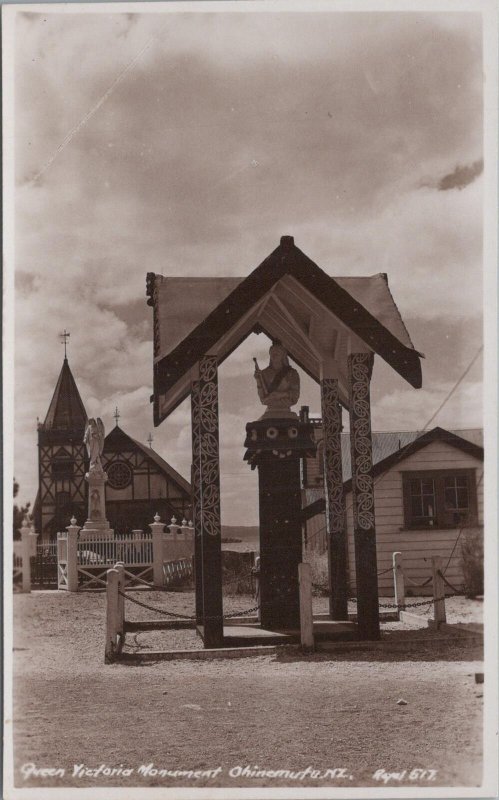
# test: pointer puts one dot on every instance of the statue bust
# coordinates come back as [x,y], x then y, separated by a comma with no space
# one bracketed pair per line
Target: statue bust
[278,384]
[94,440]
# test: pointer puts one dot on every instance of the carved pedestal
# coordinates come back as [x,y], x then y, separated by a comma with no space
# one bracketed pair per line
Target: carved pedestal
[275,446]
[96,526]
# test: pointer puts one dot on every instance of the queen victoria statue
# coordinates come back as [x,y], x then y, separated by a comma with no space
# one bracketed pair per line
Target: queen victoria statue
[278,384]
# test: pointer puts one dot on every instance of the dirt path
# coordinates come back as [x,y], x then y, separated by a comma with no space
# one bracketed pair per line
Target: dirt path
[273,713]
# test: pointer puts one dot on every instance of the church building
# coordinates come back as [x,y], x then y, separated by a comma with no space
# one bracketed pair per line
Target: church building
[140,482]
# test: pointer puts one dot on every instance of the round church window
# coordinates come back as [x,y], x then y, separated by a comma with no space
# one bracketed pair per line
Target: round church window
[119,475]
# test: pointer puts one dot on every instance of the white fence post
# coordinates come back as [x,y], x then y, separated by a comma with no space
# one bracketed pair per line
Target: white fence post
[157,529]
[398,582]
[174,528]
[112,625]
[438,591]
[72,555]
[33,536]
[120,568]
[306,614]
[26,556]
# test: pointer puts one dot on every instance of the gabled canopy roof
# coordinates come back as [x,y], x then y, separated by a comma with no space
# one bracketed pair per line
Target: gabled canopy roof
[287,297]
[66,410]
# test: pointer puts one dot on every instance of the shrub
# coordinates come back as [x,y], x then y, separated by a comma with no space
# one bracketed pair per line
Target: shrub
[472,563]
[236,572]
[320,575]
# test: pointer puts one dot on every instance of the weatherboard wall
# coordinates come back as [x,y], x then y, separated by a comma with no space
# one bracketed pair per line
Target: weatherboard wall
[417,546]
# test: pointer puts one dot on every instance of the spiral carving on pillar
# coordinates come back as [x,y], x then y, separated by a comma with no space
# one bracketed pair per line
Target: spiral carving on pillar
[333,477]
[360,436]
[209,446]
[196,471]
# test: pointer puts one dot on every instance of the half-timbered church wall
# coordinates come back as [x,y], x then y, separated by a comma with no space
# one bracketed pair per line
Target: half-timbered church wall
[138,479]
[140,482]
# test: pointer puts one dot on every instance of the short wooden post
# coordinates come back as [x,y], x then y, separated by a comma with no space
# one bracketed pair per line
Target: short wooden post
[438,591]
[256,575]
[398,582]
[72,555]
[26,556]
[157,527]
[306,614]
[120,567]
[112,612]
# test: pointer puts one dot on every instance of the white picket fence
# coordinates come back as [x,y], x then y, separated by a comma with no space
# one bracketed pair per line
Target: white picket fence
[83,559]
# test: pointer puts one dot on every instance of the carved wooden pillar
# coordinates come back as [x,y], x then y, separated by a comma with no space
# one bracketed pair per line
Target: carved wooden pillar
[209,500]
[335,501]
[359,373]
[196,508]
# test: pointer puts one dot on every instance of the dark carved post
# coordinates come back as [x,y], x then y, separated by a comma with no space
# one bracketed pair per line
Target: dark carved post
[196,506]
[275,446]
[359,372]
[335,501]
[210,503]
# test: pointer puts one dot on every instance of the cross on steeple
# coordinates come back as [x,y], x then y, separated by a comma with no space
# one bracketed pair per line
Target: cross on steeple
[64,339]
[150,440]
[116,415]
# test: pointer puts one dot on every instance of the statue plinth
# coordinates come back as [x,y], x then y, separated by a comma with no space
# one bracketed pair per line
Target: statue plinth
[97,525]
[279,413]
[275,446]
[278,438]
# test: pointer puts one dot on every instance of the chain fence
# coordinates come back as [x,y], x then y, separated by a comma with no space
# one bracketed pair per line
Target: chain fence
[193,618]
[234,614]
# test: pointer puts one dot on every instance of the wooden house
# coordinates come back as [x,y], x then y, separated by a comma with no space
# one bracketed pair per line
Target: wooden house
[428,493]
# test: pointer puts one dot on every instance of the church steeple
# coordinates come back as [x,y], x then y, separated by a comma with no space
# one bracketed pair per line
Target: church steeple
[62,459]
[66,411]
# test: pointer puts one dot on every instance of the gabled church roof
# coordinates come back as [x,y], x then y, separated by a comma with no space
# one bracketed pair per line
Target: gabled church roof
[117,438]
[66,410]
[283,297]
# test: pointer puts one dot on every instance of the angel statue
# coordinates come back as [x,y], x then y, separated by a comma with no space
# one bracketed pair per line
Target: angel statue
[94,440]
[278,384]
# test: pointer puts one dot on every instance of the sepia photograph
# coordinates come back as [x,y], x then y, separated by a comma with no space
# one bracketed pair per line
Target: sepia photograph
[250,399]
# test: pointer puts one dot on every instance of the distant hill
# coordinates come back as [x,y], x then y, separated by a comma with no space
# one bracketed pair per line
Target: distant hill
[247,533]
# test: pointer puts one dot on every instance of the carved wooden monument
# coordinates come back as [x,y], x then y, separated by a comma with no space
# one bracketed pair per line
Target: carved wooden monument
[331,328]
[275,444]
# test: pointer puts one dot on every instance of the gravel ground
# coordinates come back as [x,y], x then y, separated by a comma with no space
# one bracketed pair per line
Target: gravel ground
[290,711]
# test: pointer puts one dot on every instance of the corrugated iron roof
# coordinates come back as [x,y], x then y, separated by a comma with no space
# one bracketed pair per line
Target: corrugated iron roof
[385,443]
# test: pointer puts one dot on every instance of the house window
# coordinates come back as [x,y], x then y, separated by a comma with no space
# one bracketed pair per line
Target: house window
[439,498]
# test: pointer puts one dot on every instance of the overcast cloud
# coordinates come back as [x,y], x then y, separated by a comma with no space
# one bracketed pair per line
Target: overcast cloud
[188,144]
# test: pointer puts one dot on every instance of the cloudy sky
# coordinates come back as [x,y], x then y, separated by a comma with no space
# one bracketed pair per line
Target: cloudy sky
[188,143]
